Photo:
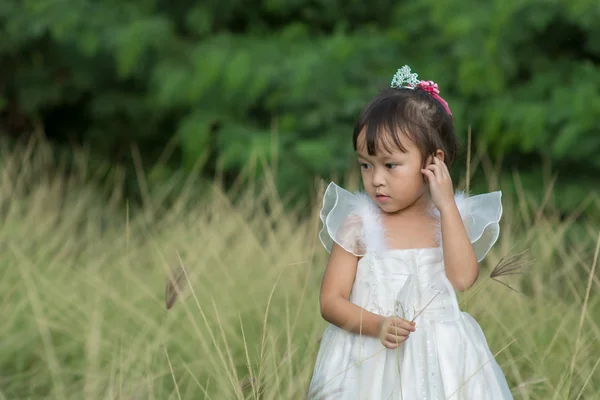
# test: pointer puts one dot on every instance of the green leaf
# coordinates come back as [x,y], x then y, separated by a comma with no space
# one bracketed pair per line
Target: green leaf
[194,136]
[314,153]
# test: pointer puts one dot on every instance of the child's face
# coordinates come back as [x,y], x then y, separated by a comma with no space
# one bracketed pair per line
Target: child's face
[392,179]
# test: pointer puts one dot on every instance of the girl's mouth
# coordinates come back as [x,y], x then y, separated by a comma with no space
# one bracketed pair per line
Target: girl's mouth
[381,198]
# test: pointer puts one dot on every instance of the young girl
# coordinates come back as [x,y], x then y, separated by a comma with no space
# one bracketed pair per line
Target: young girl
[398,253]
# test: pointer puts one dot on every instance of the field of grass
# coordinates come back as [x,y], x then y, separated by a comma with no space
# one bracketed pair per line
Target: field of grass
[82,290]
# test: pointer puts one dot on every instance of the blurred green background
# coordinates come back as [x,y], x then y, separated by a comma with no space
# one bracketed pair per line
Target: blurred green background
[213,86]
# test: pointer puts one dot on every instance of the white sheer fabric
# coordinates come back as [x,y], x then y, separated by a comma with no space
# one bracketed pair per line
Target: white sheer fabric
[351,221]
[481,215]
[447,357]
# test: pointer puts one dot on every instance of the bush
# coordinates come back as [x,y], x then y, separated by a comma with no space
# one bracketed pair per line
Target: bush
[215,84]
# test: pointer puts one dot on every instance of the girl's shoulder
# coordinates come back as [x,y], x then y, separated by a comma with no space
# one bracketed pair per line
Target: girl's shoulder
[353,221]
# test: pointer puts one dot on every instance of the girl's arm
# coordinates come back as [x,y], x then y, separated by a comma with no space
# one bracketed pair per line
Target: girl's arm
[335,292]
[462,268]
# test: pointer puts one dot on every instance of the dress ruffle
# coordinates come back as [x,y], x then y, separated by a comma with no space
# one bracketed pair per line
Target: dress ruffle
[481,215]
[351,221]
[345,222]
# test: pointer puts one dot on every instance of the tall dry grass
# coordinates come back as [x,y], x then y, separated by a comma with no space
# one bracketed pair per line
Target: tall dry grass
[82,290]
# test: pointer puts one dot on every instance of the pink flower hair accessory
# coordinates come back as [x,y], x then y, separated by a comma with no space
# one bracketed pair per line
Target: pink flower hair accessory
[429,86]
[432,88]
[406,79]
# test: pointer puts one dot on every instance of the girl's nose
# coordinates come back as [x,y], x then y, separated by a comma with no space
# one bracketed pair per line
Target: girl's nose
[378,178]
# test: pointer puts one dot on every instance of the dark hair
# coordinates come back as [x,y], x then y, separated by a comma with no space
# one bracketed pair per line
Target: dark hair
[412,112]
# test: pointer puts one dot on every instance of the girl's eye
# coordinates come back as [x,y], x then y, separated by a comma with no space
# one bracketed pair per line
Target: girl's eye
[391,166]
[364,166]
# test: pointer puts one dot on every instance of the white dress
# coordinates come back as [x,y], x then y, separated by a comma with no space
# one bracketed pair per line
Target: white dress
[447,357]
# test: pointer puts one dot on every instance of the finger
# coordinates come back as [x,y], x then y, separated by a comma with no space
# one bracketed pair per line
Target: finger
[443,167]
[402,328]
[429,174]
[399,331]
[395,339]
[391,345]
[403,323]
[436,169]
[432,167]
[438,163]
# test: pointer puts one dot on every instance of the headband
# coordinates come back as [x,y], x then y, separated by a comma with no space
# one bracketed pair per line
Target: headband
[404,79]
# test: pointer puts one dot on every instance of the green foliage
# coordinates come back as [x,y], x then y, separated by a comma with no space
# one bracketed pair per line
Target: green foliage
[221,79]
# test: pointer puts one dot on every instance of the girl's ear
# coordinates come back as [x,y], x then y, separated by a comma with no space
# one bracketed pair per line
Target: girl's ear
[440,154]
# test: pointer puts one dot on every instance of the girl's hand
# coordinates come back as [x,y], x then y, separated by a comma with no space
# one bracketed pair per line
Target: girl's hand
[393,331]
[440,184]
